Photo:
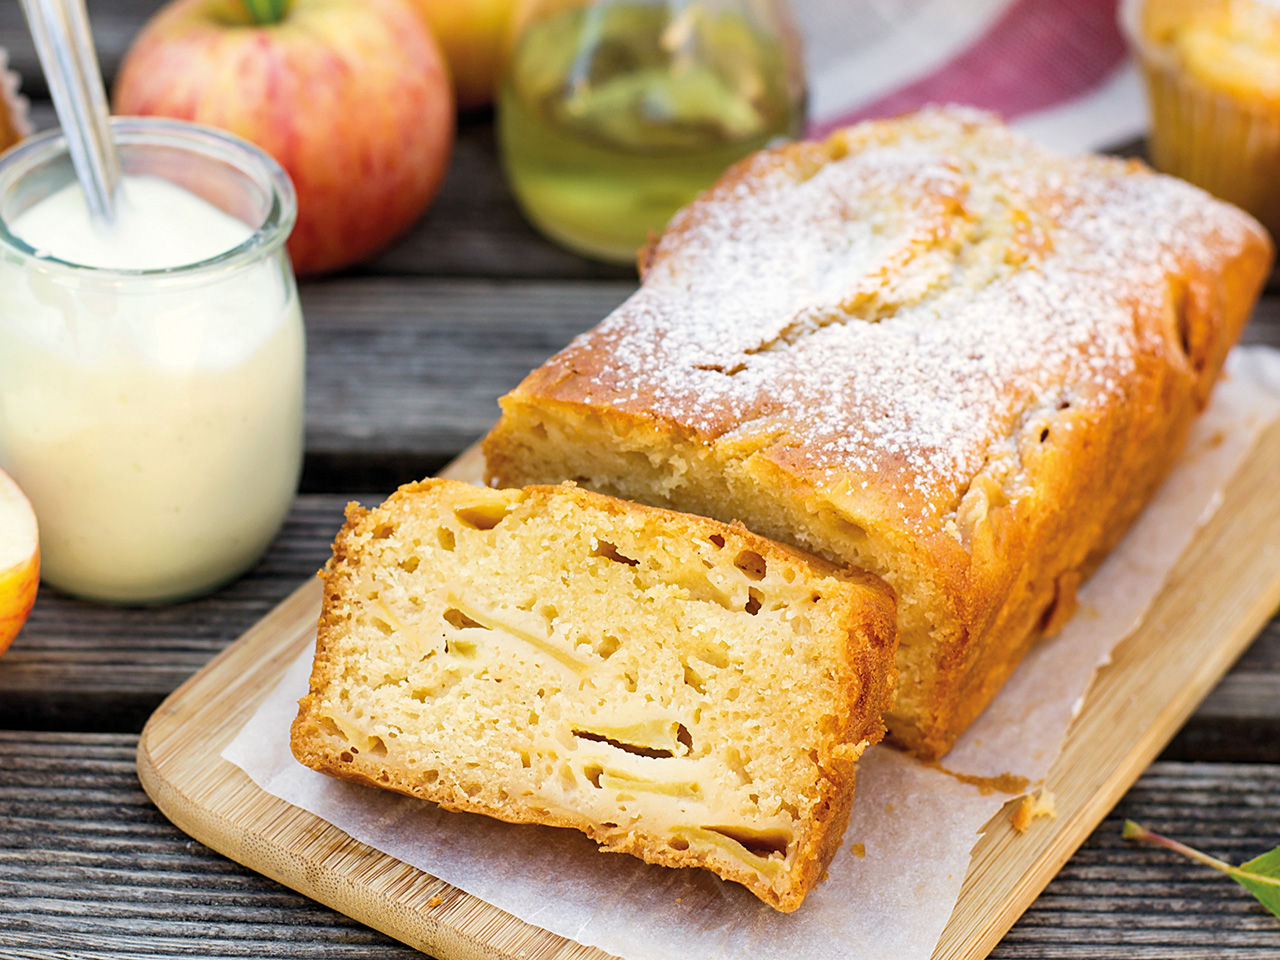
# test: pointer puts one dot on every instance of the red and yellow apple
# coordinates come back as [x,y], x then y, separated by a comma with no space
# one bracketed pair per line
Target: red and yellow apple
[474,35]
[19,560]
[352,97]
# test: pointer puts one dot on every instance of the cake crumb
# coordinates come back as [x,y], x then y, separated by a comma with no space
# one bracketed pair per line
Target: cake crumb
[859,850]
[1033,805]
[435,901]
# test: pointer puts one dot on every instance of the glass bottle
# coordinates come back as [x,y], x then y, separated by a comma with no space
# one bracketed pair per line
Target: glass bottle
[614,114]
[153,415]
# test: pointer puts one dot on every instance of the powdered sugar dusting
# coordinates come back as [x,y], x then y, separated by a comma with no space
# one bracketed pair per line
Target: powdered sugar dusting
[893,313]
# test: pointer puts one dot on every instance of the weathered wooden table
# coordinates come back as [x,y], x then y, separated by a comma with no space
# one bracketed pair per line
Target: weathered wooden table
[406,358]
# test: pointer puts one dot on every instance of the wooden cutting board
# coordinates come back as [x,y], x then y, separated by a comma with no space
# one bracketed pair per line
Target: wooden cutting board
[1222,592]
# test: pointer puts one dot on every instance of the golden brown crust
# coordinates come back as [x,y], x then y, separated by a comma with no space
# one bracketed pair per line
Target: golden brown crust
[925,347]
[862,671]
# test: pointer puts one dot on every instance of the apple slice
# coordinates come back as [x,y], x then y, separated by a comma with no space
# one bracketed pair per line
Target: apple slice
[19,560]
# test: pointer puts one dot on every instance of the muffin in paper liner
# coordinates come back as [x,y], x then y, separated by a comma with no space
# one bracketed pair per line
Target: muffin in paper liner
[14,122]
[1220,132]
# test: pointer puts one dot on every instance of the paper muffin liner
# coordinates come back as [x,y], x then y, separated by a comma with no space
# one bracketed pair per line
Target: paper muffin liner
[1227,145]
[15,120]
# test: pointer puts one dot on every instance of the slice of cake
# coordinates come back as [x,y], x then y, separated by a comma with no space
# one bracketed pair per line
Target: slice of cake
[674,687]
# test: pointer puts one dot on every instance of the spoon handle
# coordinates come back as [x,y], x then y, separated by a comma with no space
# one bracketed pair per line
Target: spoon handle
[64,44]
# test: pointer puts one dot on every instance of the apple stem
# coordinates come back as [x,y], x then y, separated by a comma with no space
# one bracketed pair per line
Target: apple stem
[266,12]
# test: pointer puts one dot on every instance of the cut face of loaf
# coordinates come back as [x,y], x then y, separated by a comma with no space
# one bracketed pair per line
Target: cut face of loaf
[924,347]
[676,688]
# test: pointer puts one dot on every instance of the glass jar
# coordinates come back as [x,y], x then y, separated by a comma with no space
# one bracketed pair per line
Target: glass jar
[614,114]
[153,416]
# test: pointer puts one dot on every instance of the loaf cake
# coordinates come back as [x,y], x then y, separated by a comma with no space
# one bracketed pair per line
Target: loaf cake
[676,688]
[924,347]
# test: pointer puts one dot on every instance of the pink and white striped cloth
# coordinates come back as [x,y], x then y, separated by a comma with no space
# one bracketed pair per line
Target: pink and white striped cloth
[1058,69]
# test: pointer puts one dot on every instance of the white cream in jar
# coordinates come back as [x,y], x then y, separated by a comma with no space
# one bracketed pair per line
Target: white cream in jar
[154,419]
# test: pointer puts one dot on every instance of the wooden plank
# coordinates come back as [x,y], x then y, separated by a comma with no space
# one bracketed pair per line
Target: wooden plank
[1217,598]
[404,372]
[83,666]
[80,839]
[1116,900]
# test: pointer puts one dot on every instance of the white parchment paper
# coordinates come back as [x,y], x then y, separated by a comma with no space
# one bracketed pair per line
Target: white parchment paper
[915,825]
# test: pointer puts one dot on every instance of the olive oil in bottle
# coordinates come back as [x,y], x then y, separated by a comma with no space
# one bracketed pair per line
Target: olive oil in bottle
[613,115]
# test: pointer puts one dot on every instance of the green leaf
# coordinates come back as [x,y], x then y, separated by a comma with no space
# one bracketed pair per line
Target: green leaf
[1260,876]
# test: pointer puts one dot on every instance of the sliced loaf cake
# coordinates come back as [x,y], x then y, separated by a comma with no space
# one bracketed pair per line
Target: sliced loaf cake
[676,688]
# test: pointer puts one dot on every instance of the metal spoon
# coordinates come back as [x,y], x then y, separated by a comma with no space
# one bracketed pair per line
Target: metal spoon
[65,47]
